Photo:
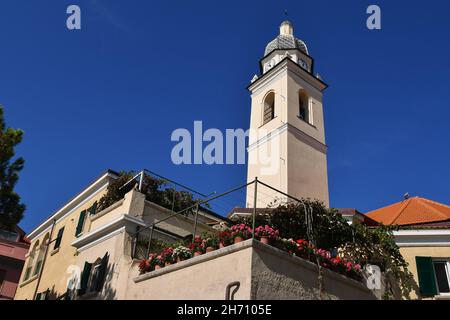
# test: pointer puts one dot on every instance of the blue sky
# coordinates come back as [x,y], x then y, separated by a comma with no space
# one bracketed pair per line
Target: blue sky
[110,95]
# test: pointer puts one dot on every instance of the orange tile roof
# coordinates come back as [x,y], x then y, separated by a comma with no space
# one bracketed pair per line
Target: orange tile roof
[411,211]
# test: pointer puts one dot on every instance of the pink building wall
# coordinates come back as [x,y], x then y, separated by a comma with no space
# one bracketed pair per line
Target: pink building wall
[12,257]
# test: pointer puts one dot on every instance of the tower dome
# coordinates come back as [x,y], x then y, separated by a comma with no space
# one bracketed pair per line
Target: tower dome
[286,40]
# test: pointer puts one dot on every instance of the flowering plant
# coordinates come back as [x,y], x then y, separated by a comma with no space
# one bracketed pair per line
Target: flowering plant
[305,249]
[167,255]
[197,245]
[145,266]
[225,238]
[241,230]
[158,260]
[210,240]
[181,252]
[288,245]
[266,231]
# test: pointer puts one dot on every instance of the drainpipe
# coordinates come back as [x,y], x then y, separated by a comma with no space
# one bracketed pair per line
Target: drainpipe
[45,259]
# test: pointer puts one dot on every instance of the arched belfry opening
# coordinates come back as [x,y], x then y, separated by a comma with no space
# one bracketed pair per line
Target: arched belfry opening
[269,107]
[304,110]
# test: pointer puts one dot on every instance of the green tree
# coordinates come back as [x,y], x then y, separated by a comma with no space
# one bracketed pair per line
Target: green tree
[11,208]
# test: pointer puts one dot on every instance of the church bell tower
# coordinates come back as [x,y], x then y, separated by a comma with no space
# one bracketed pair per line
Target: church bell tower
[287,148]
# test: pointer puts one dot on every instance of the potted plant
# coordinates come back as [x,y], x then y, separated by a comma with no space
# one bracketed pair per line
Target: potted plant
[196,246]
[288,245]
[210,242]
[266,234]
[145,266]
[304,249]
[240,232]
[181,253]
[225,239]
[167,256]
[158,262]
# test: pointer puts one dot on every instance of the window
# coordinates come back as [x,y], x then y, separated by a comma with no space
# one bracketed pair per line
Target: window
[80,223]
[7,235]
[442,274]
[304,108]
[93,210]
[269,107]
[41,255]
[43,295]
[93,276]
[2,279]
[59,238]
[434,276]
[30,263]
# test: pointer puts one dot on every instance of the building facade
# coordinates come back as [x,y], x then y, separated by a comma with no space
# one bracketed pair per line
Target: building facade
[80,252]
[13,248]
[51,254]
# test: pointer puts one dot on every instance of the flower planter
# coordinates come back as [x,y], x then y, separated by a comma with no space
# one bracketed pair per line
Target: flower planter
[221,245]
[238,239]
[210,249]
[157,267]
[167,264]
[179,259]
[265,240]
[196,254]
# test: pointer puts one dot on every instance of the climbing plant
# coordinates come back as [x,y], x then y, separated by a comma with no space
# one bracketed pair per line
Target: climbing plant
[156,190]
[330,231]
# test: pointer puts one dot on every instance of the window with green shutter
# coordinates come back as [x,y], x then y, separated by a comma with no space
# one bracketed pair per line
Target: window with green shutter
[93,210]
[85,278]
[59,238]
[427,278]
[80,223]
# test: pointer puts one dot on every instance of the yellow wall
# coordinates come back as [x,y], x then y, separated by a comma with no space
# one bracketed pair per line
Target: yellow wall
[410,254]
[54,275]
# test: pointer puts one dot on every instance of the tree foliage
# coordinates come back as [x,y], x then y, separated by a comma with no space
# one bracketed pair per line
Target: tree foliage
[11,208]
[156,190]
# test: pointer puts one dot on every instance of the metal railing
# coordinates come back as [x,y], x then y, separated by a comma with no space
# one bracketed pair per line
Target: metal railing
[200,205]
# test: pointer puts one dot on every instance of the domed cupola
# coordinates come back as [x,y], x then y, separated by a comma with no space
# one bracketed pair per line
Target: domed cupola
[286,45]
[286,40]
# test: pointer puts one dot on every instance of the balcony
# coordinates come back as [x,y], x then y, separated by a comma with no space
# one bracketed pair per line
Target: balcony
[252,271]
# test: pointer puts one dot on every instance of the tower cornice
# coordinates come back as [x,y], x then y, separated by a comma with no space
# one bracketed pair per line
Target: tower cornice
[285,64]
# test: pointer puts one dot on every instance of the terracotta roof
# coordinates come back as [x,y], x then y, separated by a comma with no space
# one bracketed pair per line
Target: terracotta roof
[412,211]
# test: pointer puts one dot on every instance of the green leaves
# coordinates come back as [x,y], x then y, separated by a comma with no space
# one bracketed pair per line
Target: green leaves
[155,190]
[11,208]
[356,242]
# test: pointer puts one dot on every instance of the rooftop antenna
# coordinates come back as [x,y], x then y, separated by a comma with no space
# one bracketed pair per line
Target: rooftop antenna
[286,13]
[406,196]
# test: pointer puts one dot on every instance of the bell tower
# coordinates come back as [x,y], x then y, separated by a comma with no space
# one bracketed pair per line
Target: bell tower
[287,148]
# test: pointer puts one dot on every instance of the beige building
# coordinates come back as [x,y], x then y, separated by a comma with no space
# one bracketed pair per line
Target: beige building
[63,227]
[287,148]
[79,251]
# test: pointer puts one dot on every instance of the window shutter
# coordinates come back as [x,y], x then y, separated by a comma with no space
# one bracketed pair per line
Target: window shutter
[93,209]
[80,223]
[85,278]
[102,273]
[427,282]
[68,295]
[58,238]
